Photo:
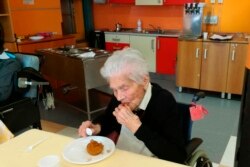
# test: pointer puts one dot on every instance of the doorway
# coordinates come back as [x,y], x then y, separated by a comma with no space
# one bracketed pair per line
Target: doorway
[68,17]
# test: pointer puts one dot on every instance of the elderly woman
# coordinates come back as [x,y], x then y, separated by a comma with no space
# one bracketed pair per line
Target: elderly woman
[141,112]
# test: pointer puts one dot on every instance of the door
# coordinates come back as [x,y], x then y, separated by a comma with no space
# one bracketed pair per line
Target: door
[214,66]
[188,64]
[147,46]
[68,17]
[166,55]
[236,68]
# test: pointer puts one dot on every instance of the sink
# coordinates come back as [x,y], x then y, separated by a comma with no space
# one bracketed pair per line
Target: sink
[163,32]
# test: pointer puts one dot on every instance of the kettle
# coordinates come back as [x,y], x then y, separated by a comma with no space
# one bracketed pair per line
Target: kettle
[118,27]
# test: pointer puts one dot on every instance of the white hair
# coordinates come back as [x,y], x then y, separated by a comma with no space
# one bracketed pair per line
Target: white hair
[127,61]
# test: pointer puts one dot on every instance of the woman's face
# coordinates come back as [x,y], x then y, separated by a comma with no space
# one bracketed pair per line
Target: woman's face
[128,91]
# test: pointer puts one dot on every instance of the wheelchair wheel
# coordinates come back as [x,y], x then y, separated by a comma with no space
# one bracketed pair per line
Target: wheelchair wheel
[203,162]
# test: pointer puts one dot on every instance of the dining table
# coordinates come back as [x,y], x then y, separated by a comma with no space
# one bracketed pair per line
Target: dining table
[13,153]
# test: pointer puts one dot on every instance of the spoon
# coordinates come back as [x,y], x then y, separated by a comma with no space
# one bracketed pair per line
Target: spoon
[89,132]
[31,147]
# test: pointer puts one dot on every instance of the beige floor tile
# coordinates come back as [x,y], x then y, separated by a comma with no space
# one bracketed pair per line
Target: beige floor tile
[51,126]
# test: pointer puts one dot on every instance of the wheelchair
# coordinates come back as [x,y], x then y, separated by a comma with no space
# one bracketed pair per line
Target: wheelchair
[195,157]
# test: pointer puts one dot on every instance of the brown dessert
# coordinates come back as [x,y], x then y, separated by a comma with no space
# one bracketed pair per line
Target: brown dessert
[94,147]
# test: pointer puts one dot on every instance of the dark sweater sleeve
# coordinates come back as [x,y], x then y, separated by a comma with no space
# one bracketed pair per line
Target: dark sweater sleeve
[107,120]
[161,128]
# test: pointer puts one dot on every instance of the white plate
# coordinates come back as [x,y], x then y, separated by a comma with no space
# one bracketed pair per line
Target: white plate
[75,152]
[35,38]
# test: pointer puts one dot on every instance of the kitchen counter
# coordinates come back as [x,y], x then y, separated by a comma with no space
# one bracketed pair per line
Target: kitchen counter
[149,32]
[30,46]
[237,38]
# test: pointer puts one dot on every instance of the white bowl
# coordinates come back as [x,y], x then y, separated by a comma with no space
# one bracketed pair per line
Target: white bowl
[49,161]
[35,38]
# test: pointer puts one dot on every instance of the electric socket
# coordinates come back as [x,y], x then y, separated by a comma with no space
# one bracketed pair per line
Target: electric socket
[212,1]
[210,19]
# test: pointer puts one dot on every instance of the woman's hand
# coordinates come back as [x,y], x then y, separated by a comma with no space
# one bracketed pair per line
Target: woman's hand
[126,117]
[96,128]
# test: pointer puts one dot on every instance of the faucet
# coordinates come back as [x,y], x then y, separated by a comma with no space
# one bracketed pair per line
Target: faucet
[158,29]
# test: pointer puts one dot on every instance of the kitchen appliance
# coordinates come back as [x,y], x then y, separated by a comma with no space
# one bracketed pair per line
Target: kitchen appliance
[192,19]
[97,39]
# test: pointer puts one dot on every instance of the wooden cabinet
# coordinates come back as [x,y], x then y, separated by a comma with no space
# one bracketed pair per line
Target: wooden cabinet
[116,42]
[166,55]
[212,66]
[202,65]
[5,21]
[147,46]
[122,1]
[148,2]
[176,2]
[236,70]
[188,64]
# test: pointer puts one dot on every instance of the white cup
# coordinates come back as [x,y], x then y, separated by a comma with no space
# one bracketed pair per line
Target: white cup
[49,161]
[205,34]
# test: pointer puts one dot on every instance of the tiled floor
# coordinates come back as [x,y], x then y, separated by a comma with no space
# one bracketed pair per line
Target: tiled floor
[218,129]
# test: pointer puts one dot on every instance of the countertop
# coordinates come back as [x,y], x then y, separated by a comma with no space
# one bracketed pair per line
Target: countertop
[147,32]
[46,39]
[237,37]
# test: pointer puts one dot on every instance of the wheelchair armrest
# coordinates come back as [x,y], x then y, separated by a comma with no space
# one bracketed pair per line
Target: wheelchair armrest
[192,145]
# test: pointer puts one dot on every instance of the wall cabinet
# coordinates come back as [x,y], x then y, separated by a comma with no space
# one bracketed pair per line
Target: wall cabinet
[122,1]
[148,2]
[211,66]
[147,46]
[116,42]
[176,2]
[166,55]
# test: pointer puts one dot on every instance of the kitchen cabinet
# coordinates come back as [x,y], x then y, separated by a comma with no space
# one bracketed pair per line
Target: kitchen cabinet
[6,21]
[148,2]
[122,1]
[188,64]
[236,68]
[176,2]
[147,46]
[166,55]
[202,65]
[214,66]
[116,41]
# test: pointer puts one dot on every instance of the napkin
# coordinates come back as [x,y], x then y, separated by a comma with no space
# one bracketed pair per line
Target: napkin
[197,112]
[87,55]
[5,133]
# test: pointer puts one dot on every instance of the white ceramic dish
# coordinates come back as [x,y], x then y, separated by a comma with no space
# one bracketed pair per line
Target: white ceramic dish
[75,152]
[49,161]
[35,38]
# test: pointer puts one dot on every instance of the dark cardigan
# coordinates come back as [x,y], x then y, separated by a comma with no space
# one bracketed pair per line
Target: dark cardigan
[161,126]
